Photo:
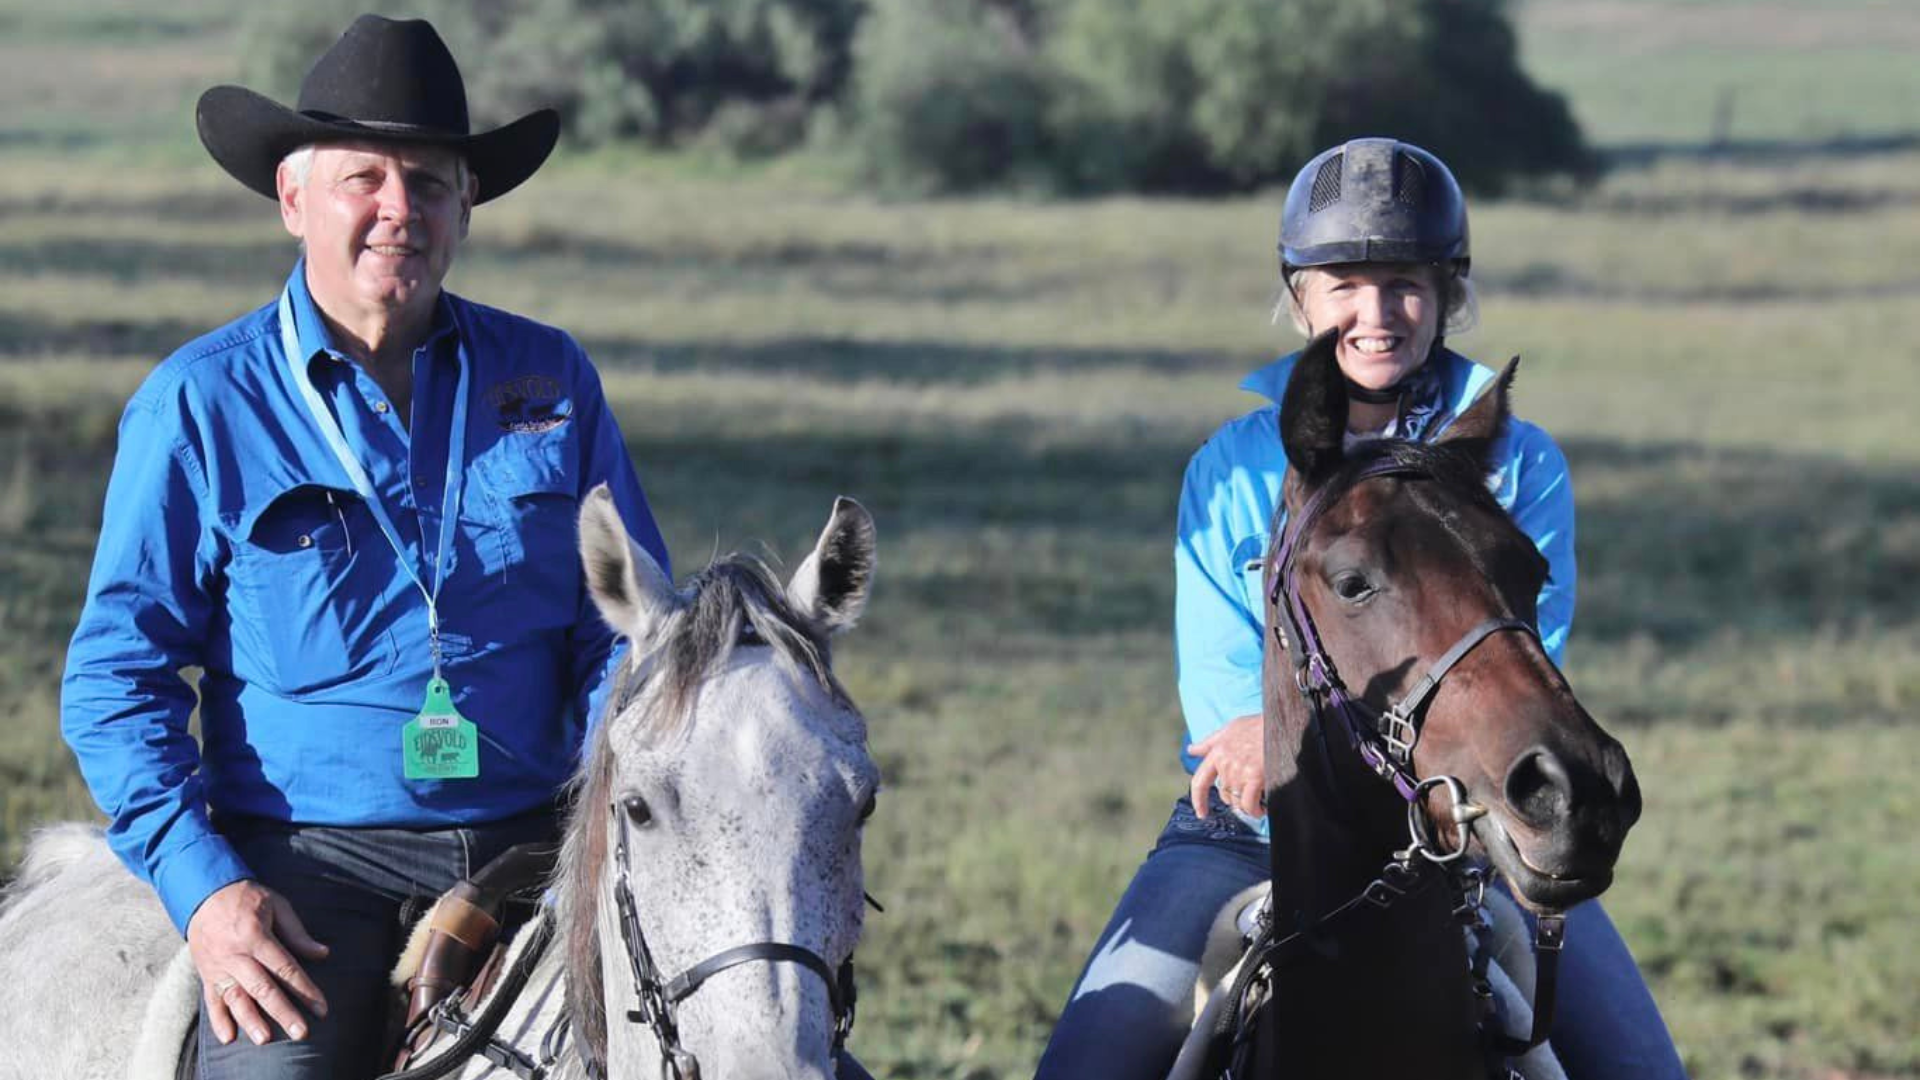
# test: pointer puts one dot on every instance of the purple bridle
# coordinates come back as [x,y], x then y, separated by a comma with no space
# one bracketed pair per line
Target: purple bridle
[1384,741]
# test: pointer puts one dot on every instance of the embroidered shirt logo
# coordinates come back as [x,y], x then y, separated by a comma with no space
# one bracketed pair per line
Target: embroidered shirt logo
[529,403]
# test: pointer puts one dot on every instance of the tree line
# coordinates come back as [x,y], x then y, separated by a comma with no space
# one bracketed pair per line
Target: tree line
[1053,96]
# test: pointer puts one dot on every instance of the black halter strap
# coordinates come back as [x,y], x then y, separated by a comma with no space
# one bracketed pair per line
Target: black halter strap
[683,985]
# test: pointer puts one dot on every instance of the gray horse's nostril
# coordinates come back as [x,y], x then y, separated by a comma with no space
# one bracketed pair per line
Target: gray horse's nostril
[1538,788]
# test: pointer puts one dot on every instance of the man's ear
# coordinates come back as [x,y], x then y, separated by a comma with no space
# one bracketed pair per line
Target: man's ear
[466,203]
[292,198]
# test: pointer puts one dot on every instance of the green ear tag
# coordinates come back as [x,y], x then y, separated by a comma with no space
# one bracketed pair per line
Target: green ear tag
[440,744]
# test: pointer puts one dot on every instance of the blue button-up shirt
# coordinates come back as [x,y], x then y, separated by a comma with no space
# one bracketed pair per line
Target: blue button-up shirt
[233,542]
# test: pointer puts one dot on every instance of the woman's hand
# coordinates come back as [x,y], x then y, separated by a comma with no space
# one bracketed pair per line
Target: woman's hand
[1234,760]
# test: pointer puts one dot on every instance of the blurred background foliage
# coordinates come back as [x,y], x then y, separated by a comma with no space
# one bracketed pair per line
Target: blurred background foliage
[1057,96]
[1721,331]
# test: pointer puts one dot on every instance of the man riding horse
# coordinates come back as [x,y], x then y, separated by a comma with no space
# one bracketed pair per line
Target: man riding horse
[338,510]
[1373,252]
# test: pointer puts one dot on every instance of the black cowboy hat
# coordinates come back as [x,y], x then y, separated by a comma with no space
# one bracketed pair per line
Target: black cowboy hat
[383,81]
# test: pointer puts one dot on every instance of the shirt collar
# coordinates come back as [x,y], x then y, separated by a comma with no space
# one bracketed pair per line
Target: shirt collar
[317,340]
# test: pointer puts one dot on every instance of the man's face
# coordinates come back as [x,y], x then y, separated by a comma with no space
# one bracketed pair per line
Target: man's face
[381,222]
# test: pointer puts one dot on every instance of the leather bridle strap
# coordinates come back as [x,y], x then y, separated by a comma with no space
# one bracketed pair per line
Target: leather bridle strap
[1407,707]
[684,984]
[1549,938]
[656,996]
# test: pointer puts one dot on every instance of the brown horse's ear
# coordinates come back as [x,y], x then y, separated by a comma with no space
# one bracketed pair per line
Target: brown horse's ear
[1313,413]
[1485,420]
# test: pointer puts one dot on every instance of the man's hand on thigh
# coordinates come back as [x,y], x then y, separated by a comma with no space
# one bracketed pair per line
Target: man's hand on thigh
[239,938]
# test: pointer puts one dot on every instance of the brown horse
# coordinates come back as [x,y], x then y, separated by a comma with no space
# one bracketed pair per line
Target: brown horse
[1401,605]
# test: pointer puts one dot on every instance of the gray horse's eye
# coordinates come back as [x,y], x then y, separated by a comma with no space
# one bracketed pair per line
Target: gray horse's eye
[867,808]
[637,810]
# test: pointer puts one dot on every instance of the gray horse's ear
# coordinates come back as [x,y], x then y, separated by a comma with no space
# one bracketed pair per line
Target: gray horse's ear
[831,586]
[628,587]
[1477,429]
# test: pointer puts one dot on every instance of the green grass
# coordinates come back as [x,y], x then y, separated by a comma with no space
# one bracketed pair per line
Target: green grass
[1725,349]
[1790,71]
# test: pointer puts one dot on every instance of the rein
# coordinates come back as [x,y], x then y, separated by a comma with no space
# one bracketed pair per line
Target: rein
[1385,742]
[656,996]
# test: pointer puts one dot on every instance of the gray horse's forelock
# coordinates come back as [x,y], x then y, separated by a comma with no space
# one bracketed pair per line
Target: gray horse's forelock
[734,592]
[656,694]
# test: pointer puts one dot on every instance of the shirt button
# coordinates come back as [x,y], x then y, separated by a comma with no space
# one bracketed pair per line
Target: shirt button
[380,407]
[305,541]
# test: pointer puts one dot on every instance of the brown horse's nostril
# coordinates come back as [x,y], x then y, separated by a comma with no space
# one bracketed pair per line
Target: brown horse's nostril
[1538,788]
[1620,775]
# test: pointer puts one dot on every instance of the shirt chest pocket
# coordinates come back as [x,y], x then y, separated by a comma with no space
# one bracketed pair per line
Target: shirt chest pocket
[529,516]
[308,591]
[1250,567]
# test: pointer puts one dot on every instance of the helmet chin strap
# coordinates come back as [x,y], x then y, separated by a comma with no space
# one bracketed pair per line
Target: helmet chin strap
[1389,396]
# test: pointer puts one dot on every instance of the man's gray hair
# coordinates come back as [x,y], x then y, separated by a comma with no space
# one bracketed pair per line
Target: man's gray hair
[1459,302]
[300,163]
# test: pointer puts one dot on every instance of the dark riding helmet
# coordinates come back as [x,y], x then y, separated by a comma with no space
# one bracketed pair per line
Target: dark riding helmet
[1374,200]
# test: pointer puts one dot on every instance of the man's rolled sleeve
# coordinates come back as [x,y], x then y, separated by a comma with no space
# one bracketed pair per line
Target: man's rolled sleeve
[124,708]
[595,649]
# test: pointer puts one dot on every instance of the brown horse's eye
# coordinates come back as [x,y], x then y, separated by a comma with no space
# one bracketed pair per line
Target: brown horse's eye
[1352,587]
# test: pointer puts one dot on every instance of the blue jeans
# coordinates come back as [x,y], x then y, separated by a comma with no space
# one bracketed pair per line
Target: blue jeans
[1130,1009]
[347,886]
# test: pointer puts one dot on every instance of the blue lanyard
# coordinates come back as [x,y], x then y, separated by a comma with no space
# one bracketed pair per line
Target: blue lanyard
[337,442]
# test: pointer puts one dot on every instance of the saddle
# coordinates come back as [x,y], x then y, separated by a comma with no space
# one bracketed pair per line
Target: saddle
[457,945]
[1210,1053]
[460,943]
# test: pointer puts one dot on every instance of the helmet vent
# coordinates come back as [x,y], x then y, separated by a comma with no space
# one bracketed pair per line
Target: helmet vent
[1326,184]
[1411,180]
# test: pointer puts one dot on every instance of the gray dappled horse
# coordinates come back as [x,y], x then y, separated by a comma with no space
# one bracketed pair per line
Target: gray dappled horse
[723,795]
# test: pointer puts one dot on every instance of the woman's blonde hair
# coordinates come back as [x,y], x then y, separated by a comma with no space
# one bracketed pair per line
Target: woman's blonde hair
[1459,303]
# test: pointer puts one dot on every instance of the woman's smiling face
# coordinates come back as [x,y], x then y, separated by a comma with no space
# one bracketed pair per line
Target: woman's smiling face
[1388,315]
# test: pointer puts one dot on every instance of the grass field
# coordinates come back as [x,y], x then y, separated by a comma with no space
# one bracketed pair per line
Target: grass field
[1725,347]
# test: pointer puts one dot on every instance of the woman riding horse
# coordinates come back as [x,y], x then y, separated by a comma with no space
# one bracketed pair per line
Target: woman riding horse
[1374,246]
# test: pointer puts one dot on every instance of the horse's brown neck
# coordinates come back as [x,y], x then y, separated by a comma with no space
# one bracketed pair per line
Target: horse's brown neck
[1383,992]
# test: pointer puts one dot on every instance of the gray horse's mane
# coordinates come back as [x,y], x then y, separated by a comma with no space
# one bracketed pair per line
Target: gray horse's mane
[716,609]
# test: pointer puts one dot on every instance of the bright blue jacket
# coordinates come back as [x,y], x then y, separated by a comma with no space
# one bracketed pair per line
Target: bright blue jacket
[233,542]
[1227,512]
